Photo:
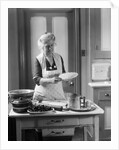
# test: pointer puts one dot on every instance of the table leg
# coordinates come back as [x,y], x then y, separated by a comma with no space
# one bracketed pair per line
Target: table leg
[85,133]
[18,130]
[96,128]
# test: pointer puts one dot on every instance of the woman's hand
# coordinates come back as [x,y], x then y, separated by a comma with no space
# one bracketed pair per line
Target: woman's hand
[53,80]
[56,79]
[54,75]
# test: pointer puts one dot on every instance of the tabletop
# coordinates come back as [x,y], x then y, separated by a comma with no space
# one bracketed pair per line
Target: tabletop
[96,111]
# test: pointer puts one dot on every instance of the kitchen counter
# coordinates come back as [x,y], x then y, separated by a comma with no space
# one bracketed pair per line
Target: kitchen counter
[101,95]
[100,84]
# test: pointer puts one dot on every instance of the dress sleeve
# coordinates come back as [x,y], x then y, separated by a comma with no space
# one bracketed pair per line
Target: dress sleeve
[63,68]
[37,72]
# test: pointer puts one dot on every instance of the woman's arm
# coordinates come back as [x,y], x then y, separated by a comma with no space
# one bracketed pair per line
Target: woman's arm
[39,80]
[63,68]
[37,72]
[53,80]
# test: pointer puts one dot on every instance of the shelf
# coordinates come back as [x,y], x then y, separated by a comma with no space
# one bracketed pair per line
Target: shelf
[100,84]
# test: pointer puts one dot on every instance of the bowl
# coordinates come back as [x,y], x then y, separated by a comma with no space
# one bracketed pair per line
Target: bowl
[20,110]
[26,93]
[19,103]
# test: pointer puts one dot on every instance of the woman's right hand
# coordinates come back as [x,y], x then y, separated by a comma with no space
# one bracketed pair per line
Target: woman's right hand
[53,80]
[56,80]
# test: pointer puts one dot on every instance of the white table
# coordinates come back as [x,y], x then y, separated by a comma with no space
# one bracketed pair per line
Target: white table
[58,120]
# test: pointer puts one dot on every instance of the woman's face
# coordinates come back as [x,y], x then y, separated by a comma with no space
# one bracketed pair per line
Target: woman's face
[48,49]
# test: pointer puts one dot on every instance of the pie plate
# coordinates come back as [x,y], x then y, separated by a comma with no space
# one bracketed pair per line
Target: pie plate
[91,108]
[68,76]
[38,112]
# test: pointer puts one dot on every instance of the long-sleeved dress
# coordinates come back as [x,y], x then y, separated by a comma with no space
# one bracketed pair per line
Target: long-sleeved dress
[43,69]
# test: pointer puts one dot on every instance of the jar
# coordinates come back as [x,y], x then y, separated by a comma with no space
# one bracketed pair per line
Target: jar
[74,101]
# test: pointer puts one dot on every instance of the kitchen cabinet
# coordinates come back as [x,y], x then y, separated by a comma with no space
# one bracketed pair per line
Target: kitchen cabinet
[102,97]
[58,132]
[100,32]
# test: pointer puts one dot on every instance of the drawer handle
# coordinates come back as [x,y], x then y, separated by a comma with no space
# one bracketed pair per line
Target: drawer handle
[71,83]
[107,94]
[57,132]
[55,121]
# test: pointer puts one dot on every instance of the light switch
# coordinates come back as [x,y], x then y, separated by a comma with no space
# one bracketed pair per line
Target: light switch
[83,52]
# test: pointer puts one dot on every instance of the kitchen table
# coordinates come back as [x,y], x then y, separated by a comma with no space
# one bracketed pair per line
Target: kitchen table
[50,122]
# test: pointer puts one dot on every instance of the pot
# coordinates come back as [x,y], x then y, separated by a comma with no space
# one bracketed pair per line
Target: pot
[21,105]
[21,102]
[20,110]
[21,99]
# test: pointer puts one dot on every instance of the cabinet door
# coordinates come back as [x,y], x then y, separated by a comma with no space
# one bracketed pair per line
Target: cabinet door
[105,120]
[100,32]
[102,97]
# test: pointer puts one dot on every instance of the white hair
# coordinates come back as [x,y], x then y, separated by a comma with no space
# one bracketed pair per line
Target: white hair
[40,44]
[46,39]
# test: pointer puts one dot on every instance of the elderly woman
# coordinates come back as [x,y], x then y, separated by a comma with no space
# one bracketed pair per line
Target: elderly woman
[48,66]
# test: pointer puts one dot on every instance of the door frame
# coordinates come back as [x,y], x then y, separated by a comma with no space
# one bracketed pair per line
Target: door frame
[22,55]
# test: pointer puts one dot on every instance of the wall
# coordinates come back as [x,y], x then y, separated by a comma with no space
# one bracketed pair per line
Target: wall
[13,70]
[84,58]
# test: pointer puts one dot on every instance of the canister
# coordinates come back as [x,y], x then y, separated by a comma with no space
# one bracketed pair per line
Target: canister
[74,101]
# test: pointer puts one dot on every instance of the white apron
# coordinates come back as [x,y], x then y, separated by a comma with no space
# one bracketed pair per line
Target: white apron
[50,91]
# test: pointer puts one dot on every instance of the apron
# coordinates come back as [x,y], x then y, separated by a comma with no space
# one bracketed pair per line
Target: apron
[50,91]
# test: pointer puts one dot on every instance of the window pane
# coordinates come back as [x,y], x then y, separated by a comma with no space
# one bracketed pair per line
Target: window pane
[106,29]
[37,27]
[60,29]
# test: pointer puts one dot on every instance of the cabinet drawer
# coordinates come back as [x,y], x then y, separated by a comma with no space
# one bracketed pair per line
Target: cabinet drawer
[104,95]
[60,122]
[49,122]
[58,132]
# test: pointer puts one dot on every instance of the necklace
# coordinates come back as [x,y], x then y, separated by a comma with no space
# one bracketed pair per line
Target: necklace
[50,60]
[50,64]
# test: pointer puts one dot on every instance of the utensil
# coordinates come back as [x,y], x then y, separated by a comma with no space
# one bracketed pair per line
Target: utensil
[68,76]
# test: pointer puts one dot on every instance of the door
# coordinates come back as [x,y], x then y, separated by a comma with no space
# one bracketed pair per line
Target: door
[102,97]
[105,120]
[100,20]
[64,23]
